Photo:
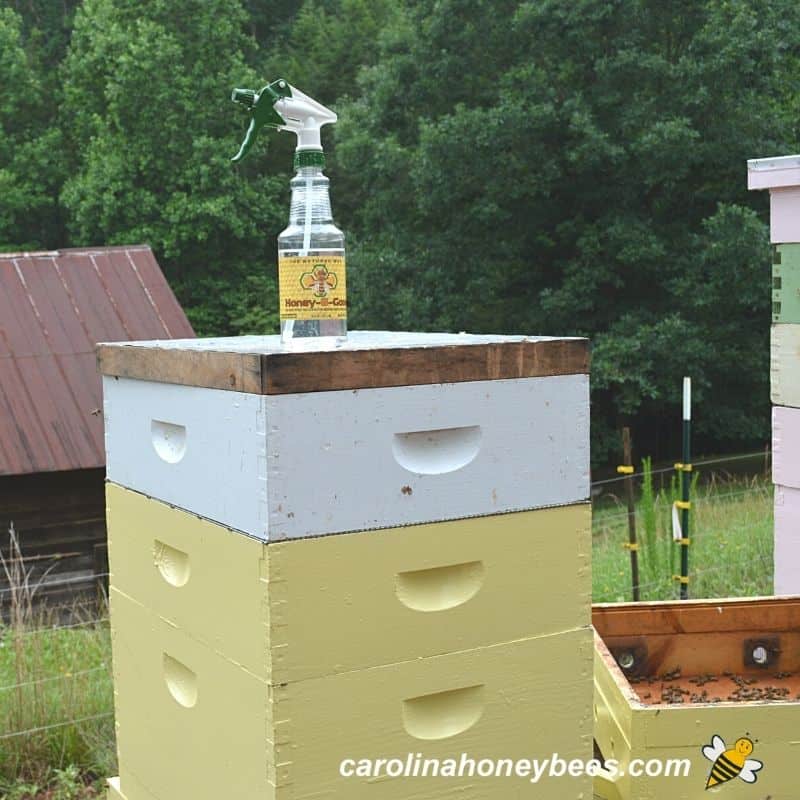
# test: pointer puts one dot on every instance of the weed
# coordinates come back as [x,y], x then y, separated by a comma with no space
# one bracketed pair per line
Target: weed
[731,534]
[50,677]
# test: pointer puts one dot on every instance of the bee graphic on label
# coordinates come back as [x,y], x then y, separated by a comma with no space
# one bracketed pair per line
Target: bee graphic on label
[728,764]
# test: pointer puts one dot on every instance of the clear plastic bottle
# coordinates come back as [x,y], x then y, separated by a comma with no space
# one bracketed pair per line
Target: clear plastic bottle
[311,233]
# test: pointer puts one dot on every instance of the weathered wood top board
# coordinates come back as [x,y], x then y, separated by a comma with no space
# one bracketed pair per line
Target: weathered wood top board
[368,359]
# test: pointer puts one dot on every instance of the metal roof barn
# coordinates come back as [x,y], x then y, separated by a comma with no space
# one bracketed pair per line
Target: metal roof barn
[54,308]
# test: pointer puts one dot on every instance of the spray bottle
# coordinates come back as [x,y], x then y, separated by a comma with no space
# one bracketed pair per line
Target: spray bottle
[311,264]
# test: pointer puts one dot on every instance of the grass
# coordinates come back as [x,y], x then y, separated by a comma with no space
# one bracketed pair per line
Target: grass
[52,673]
[51,676]
[731,543]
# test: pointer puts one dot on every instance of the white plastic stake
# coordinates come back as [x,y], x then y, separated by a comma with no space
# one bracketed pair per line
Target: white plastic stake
[677,531]
[687,398]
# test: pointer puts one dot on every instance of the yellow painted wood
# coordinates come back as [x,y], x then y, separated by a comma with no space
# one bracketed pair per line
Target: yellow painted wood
[304,608]
[627,729]
[525,697]
[190,724]
[613,716]
[133,790]
[193,724]
[199,575]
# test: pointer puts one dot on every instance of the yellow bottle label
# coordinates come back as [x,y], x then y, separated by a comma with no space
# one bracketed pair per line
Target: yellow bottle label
[312,287]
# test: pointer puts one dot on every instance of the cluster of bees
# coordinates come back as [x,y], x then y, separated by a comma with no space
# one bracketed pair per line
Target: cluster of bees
[746,688]
[746,691]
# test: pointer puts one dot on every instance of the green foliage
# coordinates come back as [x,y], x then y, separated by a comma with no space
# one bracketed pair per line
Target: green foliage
[59,784]
[29,166]
[56,693]
[578,168]
[330,41]
[48,679]
[146,97]
[652,564]
[524,166]
[47,26]
[731,551]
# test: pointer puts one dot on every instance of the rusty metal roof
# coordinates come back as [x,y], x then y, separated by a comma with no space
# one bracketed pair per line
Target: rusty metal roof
[54,308]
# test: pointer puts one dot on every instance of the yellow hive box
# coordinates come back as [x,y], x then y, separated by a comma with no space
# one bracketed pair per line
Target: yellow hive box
[193,724]
[670,677]
[304,608]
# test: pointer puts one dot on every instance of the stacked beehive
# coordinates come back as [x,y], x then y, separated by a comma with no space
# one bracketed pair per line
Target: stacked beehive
[782,177]
[371,552]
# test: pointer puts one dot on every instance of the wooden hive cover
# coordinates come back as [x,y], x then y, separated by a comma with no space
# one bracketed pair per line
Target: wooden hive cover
[368,359]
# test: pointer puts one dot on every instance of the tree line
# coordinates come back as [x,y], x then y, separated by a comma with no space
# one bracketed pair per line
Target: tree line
[542,167]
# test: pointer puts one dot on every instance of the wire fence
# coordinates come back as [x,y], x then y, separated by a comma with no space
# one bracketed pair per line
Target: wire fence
[43,585]
[40,699]
[601,520]
[70,626]
[704,571]
[53,726]
[50,678]
[764,454]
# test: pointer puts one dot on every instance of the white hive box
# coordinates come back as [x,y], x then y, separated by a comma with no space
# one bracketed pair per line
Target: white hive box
[388,430]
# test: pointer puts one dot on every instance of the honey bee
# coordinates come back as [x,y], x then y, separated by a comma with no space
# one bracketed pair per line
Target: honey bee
[730,764]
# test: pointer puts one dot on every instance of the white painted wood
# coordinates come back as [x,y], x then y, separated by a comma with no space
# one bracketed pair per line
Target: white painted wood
[771,173]
[290,466]
[221,472]
[356,340]
[786,446]
[785,365]
[787,540]
[785,215]
[532,450]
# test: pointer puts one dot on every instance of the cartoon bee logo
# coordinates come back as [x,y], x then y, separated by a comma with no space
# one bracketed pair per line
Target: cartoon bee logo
[729,764]
[321,281]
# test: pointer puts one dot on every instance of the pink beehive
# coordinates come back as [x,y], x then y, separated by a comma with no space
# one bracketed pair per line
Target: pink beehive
[782,177]
[786,446]
[787,545]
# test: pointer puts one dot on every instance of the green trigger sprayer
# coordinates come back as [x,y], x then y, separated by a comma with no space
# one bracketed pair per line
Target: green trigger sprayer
[311,263]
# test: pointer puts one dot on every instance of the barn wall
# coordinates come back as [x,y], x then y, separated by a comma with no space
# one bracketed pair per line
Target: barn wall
[59,519]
